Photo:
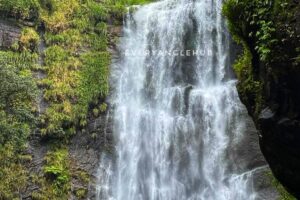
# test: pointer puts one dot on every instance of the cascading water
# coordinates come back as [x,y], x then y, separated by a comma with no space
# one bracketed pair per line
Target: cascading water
[177,114]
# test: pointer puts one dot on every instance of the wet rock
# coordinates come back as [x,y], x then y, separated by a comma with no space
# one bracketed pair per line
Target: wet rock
[116,31]
[279,123]
[85,149]
[38,150]
[9,33]
[187,91]
[266,114]
[280,145]
[262,183]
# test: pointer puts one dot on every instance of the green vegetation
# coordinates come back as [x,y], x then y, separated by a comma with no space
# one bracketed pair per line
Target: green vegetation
[250,89]
[81,193]
[76,62]
[57,168]
[243,23]
[284,195]
[56,181]
[20,9]
[134,2]
[267,32]
[251,20]
[84,178]
[76,57]
[17,119]
[252,24]
[13,174]
[29,40]
[265,26]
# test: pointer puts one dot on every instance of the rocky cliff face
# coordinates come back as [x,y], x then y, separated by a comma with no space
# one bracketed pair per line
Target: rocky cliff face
[84,152]
[279,121]
[84,148]
[9,33]
[270,85]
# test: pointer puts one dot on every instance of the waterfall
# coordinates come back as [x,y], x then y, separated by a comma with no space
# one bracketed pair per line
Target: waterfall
[178,120]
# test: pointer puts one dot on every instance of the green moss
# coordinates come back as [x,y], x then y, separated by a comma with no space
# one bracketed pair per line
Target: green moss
[81,193]
[17,97]
[284,195]
[20,9]
[103,107]
[56,15]
[29,39]
[250,90]
[76,60]
[94,77]
[70,38]
[72,84]
[18,61]
[95,112]
[77,69]
[98,12]
[54,55]
[96,42]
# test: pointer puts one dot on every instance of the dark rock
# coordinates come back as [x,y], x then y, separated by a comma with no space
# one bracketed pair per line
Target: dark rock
[85,149]
[9,33]
[116,31]
[266,114]
[280,144]
[262,184]
[279,122]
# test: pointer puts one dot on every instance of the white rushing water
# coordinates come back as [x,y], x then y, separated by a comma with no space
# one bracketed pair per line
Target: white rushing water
[177,118]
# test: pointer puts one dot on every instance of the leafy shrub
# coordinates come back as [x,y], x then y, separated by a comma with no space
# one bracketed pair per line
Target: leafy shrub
[57,167]
[250,20]
[17,96]
[57,171]
[17,120]
[55,184]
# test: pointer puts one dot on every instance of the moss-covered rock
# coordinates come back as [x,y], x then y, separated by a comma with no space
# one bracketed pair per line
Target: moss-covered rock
[269,78]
